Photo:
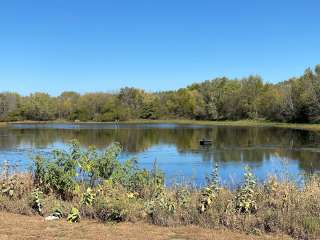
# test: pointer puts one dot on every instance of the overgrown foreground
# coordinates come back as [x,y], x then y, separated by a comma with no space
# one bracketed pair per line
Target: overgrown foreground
[92,184]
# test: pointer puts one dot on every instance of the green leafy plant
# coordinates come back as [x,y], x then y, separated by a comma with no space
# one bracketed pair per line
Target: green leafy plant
[183,196]
[166,202]
[88,197]
[163,202]
[113,202]
[74,215]
[37,200]
[61,171]
[56,174]
[245,198]
[209,193]
[106,163]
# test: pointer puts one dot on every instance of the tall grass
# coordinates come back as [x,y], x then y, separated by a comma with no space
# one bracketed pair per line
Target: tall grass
[89,184]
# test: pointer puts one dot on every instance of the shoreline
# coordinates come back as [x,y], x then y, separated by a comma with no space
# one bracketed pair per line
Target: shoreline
[238,123]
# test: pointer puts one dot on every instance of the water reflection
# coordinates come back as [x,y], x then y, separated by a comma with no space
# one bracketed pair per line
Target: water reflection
[176,147]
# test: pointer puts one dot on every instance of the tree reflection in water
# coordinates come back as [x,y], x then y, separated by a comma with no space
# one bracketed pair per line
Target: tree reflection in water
[232,146]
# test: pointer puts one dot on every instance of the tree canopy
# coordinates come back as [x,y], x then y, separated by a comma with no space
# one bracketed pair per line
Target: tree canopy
[294,100]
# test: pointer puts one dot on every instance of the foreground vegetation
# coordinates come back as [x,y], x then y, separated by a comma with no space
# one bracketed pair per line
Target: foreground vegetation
[294,100]
[89,184]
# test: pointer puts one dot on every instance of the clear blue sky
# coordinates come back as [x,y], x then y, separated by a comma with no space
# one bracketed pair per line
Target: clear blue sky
[103,45]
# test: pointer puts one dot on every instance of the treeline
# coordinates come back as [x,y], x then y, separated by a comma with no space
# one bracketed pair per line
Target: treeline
[294,100]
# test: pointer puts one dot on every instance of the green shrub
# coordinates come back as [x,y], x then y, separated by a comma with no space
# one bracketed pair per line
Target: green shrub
[59,172]
[56,175]
[74,215]
[114,203]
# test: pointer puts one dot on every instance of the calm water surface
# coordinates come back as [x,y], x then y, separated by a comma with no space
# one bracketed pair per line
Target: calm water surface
[176,148]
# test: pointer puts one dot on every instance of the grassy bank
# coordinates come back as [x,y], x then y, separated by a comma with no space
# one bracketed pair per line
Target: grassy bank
[243,123]
[81,184]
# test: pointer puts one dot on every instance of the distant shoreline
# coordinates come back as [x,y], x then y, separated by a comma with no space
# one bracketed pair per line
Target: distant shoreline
[239,123]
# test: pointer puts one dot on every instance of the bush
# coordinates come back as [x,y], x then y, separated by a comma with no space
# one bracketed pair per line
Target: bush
[115,203]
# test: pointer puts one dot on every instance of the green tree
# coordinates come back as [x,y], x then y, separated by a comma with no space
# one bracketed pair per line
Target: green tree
[67,104]
[91,106]
[250,89]
[38,106]
[9,104]
[269,103]
[133,99]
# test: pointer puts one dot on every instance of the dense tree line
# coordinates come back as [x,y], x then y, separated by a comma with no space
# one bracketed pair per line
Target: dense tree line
[294,100]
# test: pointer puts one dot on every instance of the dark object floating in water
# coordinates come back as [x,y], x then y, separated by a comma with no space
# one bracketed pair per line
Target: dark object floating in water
[205,142]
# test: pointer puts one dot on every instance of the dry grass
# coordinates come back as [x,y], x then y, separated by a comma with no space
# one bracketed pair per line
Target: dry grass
[14,226]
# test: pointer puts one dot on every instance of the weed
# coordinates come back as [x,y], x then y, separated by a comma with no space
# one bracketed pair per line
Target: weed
[245,199]
[74,215]
[37,200]
[209,193]
[88,197]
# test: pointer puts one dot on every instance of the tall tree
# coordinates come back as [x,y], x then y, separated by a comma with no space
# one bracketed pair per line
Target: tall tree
[38,106]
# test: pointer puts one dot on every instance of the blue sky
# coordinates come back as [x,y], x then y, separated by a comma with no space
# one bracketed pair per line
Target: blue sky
[95,45]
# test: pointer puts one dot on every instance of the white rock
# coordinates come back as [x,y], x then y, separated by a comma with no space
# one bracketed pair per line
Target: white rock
[50,218]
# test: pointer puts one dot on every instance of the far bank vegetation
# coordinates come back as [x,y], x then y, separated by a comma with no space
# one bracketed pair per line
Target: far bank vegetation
[295,100]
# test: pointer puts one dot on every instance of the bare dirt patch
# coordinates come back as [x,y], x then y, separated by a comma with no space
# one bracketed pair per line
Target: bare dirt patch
[13,226]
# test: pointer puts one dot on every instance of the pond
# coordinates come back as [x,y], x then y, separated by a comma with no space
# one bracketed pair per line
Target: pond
[176,148]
